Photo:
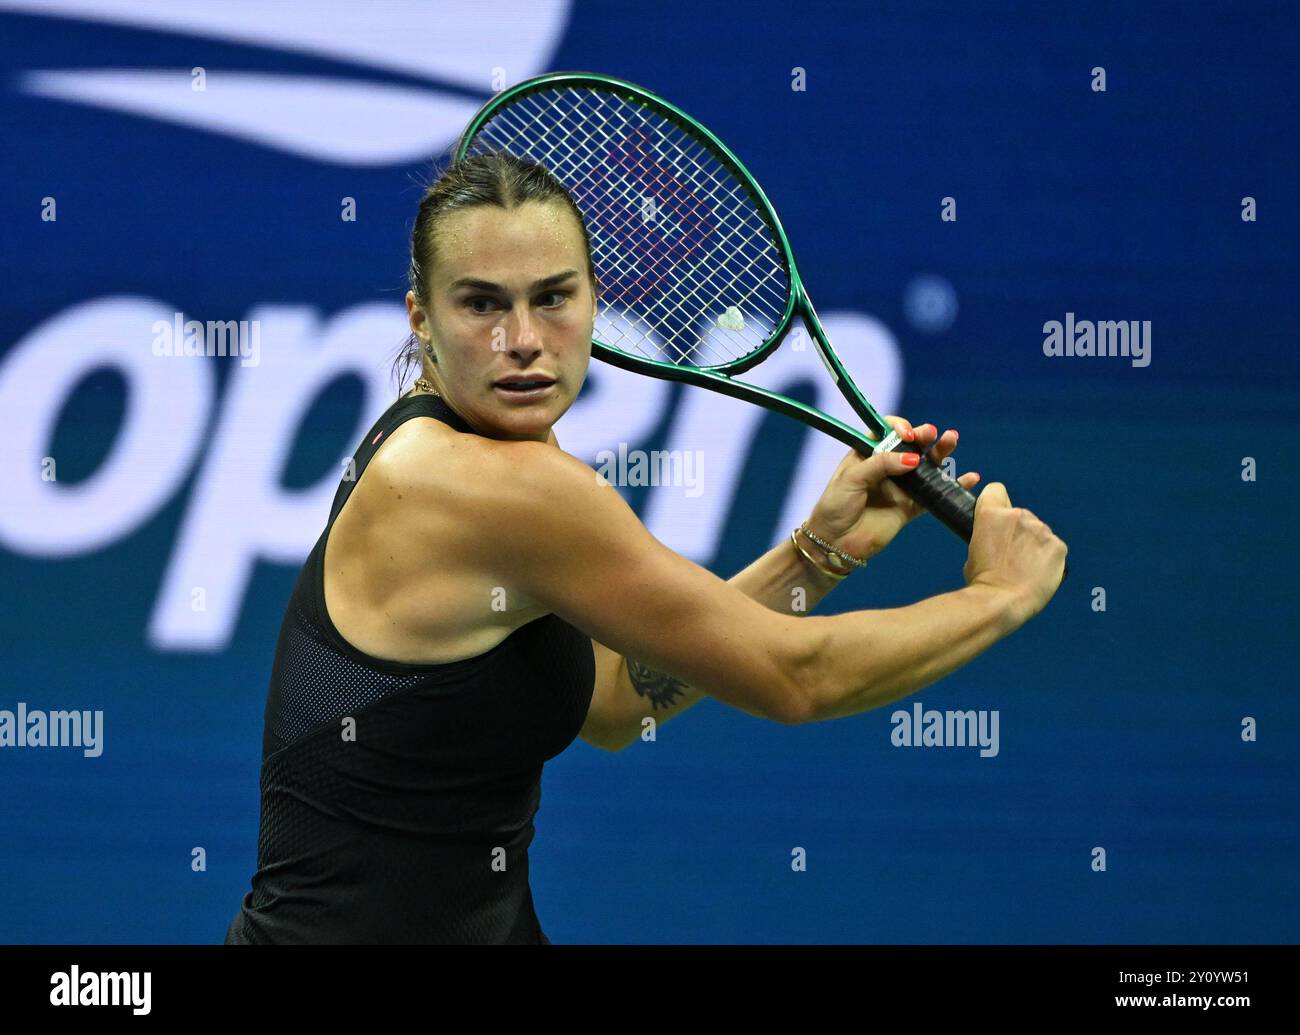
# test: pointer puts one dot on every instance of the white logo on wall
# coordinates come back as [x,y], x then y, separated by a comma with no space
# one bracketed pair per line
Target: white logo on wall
[238,512]
[236,447]
[346,120]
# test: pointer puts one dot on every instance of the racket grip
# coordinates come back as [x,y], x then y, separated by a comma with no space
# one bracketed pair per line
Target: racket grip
[944,497]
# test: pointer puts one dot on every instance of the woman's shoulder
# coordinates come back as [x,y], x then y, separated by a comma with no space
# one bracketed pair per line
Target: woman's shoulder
[426,465]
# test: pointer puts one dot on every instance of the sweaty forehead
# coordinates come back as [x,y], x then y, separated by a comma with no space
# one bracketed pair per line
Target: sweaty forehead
[490,242]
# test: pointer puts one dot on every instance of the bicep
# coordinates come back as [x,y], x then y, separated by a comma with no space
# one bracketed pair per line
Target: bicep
[569,541]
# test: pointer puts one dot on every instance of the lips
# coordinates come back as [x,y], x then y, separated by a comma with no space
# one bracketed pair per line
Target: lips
[523,384]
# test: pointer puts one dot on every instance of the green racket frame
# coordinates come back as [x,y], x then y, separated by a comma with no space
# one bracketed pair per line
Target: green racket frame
[943,496]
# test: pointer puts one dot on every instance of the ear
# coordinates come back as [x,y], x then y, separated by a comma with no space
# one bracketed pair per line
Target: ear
[415,316]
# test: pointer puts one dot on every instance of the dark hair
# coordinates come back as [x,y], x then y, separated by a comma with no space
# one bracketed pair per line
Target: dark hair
[482,179]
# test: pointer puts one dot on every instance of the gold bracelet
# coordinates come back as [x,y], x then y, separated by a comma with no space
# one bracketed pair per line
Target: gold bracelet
[833,553]
[811,560]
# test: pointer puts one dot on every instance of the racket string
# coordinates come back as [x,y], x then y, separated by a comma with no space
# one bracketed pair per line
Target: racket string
[601,217]
[741,207]
[759,235]
[629,206]
[597,219]
[645,169]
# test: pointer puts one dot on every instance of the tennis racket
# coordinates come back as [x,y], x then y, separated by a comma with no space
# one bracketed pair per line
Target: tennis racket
[690,255]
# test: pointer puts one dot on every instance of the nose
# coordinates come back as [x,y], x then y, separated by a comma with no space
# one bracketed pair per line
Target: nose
[526,342]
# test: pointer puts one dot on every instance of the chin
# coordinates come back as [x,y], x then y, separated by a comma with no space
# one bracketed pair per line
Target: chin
[535,424]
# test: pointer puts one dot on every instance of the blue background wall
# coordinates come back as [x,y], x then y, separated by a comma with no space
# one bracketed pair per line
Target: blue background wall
[1119,729]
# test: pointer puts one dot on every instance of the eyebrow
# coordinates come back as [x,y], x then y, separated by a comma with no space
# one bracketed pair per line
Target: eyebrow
[487,285]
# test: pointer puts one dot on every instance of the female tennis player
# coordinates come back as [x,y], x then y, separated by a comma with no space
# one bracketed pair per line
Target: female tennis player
[479,598]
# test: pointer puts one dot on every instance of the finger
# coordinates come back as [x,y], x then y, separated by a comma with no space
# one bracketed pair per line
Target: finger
[943,446]
[874,470]
[994,495]
[902,426]
[968,479]
[851,459]
[925,434]
[896,464]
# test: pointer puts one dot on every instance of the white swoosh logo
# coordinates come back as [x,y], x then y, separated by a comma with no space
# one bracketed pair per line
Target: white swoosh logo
[344,121]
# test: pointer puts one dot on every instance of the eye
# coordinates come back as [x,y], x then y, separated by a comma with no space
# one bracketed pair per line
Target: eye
[470,302]
[561,295]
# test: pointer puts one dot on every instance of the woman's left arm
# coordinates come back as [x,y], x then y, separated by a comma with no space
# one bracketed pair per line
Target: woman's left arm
[860,512]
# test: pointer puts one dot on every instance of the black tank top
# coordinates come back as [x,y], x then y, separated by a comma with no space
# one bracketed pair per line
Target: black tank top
[415,827]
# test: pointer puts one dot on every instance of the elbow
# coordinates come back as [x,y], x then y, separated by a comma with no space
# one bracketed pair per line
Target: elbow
[796,711]
[619,741]
[801,704]
[802,671]
[608,739]
[622,744]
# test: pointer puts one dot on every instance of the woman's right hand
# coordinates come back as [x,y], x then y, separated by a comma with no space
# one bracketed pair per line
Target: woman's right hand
[1014,551]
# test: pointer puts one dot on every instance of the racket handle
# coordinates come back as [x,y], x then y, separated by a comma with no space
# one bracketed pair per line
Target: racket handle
[945,498]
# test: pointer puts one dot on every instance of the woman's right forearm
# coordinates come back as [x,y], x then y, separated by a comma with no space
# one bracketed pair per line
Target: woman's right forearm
[866,659]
